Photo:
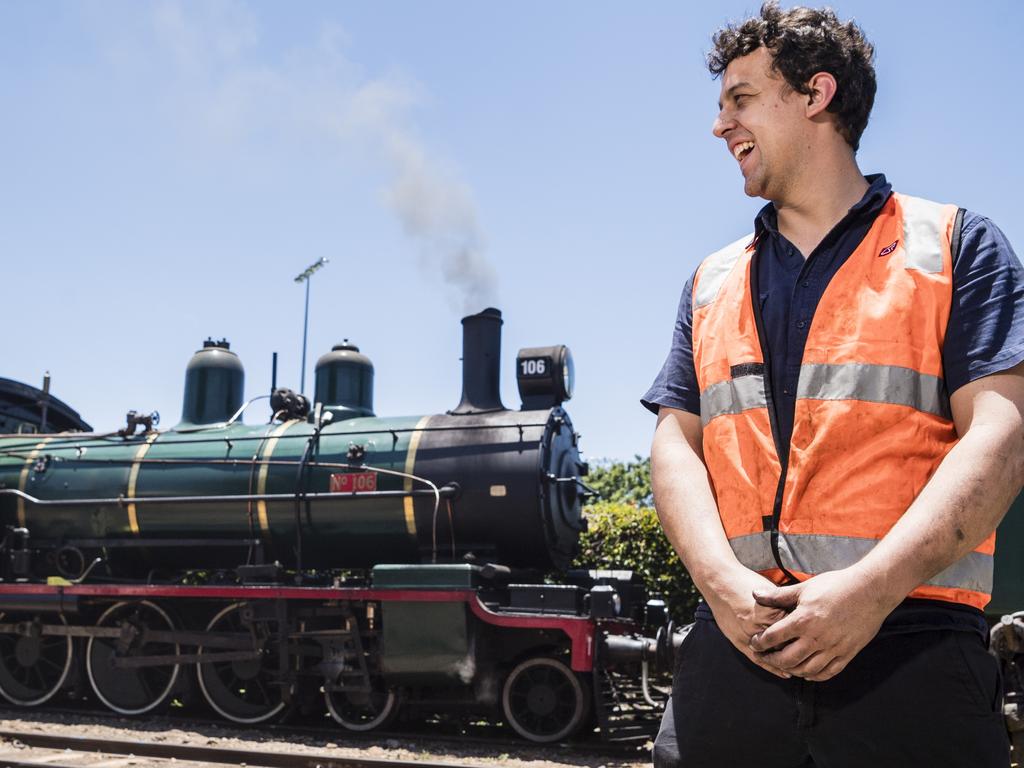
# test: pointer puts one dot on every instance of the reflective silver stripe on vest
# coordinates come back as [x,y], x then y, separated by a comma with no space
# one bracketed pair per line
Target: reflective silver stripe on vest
[732,396]
[874,384]
[817,553]
[922,236]
[754,550]
[715,269]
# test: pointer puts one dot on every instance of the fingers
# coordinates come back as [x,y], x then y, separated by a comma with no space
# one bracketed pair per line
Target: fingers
[777,635]
[832,669]
[784,598]
[769,668]
[793,655]
[764,665]
[765,617]
[741,643]
[813,665]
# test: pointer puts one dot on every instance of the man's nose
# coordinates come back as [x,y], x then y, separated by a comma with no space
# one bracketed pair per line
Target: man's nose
[723,122]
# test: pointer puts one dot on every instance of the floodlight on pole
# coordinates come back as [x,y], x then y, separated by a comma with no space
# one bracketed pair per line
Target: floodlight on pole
[304,277]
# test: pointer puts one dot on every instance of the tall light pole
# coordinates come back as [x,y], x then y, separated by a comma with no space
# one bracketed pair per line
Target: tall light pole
[304,278]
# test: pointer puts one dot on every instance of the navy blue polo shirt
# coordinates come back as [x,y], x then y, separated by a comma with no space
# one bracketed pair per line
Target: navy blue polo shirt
[985,334]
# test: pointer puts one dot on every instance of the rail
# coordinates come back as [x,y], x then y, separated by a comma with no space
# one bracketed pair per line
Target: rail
[198,754]
[448,737]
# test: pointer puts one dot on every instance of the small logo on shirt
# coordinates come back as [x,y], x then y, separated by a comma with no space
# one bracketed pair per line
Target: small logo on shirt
[889,248]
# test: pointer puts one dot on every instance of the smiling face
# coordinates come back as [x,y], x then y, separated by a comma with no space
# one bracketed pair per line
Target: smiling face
[765,126]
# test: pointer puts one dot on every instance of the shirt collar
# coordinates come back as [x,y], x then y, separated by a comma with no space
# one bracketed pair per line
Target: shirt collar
[875,197]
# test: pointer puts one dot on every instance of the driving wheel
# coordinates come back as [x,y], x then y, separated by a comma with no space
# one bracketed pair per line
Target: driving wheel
[243,690]
[362,710]
[125,689]
[33,666]
[543,700]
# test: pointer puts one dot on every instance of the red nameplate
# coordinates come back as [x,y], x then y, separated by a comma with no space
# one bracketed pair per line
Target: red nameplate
[354,482]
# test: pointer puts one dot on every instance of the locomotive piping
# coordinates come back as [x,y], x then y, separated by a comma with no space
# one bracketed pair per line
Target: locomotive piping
[23,477]
[447,492]
[133,479]
[301,478]
[220,425]
[75,440]
[255,461]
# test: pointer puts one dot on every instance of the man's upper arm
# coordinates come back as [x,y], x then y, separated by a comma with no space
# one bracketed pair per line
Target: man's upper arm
[995,401]
[985,334]
[679,426]
[676,384]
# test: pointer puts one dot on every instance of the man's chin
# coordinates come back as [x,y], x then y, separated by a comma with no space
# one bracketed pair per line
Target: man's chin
[754,188]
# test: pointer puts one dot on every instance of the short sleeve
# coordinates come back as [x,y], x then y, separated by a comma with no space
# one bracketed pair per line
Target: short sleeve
[986,322]
[676,384]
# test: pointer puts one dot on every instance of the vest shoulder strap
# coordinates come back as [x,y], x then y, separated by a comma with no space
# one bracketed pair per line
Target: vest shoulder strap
[924,228]
[715,268]
[958,228]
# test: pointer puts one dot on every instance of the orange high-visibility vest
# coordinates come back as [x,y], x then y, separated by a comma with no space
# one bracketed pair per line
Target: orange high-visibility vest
[872,419]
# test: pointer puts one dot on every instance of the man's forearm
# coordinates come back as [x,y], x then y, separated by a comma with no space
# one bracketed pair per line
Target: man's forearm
[686,506]
[835,614]
[960,506]
[967,496]
[689,516]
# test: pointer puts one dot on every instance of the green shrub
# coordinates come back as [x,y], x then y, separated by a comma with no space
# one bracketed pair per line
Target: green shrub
[628,482]
[624,532]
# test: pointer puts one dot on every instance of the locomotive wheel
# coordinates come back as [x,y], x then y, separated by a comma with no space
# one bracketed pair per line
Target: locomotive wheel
[241,691]
[123,689]
[363,711]
[544,700]
[33,667]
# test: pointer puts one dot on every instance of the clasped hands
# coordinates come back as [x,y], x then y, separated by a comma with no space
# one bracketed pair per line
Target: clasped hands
[810,630]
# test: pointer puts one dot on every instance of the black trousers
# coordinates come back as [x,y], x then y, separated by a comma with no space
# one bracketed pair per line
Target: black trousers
[925,699]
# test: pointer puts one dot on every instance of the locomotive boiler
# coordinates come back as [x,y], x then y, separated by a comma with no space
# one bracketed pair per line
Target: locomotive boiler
[337,487]
[372,561]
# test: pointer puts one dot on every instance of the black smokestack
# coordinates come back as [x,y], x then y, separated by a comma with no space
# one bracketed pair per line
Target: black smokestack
[481,363]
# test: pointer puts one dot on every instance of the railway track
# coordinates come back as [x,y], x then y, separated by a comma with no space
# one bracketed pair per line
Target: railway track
[22,749]
[436,737]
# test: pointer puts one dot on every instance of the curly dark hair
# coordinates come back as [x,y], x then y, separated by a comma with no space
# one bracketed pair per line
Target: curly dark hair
[803,42]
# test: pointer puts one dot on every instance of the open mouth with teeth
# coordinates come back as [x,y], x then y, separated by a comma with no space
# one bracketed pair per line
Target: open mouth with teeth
[742,149]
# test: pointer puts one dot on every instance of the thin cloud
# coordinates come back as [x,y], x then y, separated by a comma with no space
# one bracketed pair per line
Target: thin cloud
[217,94]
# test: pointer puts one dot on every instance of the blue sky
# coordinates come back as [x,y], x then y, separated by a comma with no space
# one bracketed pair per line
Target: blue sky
[167,168]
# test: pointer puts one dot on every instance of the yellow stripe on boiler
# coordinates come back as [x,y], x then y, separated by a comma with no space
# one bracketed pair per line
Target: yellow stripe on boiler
[23,477]
[261,482]
[133,480]
[410,465]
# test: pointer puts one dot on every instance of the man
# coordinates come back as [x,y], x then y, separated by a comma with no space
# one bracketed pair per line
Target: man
[839,433]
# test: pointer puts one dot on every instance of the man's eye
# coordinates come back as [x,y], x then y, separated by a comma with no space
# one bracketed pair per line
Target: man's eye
[740,98]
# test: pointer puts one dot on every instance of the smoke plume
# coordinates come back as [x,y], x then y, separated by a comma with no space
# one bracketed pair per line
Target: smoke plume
[434,207]
[317,89]
[438,211]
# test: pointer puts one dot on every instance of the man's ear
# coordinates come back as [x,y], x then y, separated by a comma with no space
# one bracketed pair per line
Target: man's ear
[823,88]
